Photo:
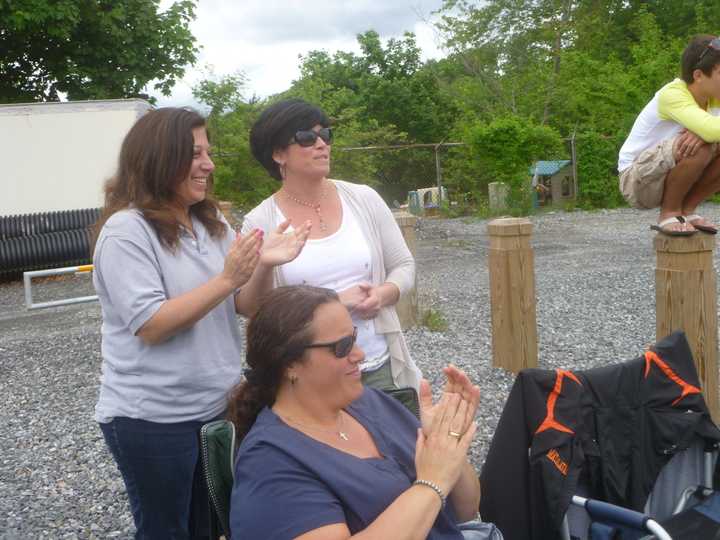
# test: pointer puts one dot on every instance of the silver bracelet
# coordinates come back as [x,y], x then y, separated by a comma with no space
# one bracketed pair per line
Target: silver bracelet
[434,487]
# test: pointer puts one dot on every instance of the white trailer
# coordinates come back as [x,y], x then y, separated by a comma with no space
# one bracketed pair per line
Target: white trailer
[57,156]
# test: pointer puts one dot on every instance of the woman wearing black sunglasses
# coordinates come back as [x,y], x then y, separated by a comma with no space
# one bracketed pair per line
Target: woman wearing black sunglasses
[355,246]
[323,457]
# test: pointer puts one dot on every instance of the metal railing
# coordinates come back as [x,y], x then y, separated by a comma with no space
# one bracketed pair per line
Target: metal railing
[28,276]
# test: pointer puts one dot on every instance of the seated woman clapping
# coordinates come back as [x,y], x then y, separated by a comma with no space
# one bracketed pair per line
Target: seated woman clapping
[324,458]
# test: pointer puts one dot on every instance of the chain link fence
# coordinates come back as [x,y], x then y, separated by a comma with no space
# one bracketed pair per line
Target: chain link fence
[397,170]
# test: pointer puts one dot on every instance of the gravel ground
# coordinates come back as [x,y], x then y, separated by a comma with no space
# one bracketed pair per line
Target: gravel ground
[595,288]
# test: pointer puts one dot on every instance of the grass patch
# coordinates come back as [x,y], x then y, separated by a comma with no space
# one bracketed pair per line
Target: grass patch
[459,243]
[434,320]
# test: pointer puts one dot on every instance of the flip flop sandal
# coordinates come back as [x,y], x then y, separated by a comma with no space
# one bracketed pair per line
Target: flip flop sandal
[661,227]
[708,229]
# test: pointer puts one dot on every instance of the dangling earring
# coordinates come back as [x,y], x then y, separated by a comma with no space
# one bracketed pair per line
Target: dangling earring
[283,170]
[293,380]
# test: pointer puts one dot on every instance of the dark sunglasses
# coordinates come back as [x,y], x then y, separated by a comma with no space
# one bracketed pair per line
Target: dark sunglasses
[341,347]
[714,44]
[307,137]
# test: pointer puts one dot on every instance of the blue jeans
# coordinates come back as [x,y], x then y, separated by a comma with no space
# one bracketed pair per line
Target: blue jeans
[160,465]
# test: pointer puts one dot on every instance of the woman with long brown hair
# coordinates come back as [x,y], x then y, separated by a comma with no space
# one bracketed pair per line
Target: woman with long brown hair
[171,275]
[324,458]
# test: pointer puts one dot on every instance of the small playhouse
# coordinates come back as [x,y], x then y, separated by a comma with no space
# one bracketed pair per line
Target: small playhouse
[426,201]
[553,181]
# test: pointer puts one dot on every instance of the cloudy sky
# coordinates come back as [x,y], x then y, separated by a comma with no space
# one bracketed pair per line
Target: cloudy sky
[263,38]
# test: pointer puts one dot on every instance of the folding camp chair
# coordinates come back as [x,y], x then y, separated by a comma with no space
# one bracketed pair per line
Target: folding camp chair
[218,446]
[682,506]
[217,452]
[608,520]
[608,434]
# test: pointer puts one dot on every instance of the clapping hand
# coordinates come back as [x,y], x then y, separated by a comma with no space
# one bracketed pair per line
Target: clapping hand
[242,257]
[457,382]
[281,246]
[442,445]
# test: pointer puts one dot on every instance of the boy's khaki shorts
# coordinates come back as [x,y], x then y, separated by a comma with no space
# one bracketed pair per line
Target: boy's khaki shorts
[642,183]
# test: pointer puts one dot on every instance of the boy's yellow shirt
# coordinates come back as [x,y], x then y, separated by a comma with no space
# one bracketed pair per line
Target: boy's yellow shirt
[676,103]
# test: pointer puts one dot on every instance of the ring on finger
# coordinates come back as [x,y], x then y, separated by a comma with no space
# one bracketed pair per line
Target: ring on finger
[454,434]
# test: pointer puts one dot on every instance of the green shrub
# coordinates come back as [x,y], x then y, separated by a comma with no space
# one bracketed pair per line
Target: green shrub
[597,170]
[434,320]
[504,151]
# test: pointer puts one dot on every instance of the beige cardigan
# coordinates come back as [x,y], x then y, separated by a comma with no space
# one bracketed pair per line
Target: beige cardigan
[391,262]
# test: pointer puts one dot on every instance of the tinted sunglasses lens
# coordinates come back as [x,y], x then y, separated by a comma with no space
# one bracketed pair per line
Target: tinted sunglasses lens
[344,346]
[305,137]
[714,45]
[326,135]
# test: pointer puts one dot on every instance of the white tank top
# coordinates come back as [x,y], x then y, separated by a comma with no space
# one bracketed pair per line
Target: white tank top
[338,262]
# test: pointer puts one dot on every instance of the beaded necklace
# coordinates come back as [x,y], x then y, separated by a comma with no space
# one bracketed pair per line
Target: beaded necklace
[315,206]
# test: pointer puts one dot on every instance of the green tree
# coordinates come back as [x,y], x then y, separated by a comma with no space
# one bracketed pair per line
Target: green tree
[504,150]
[520,75]
[397,89]
[221,94]
[523,42]
[385,83]
[515,52]
[579,66]
[237,176]
[92,49]
[383,96]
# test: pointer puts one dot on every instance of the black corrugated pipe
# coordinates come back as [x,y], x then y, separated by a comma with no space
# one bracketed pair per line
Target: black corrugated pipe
[40,251]
[47,222]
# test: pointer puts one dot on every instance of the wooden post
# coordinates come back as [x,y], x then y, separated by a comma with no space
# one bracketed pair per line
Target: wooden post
[512,294]
[407,307]
[685,299]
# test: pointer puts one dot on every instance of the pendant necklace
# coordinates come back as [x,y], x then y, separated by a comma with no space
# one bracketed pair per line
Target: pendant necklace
[339,432]
[315,206]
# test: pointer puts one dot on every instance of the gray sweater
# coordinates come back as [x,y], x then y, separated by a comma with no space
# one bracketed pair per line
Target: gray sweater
[392,262]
